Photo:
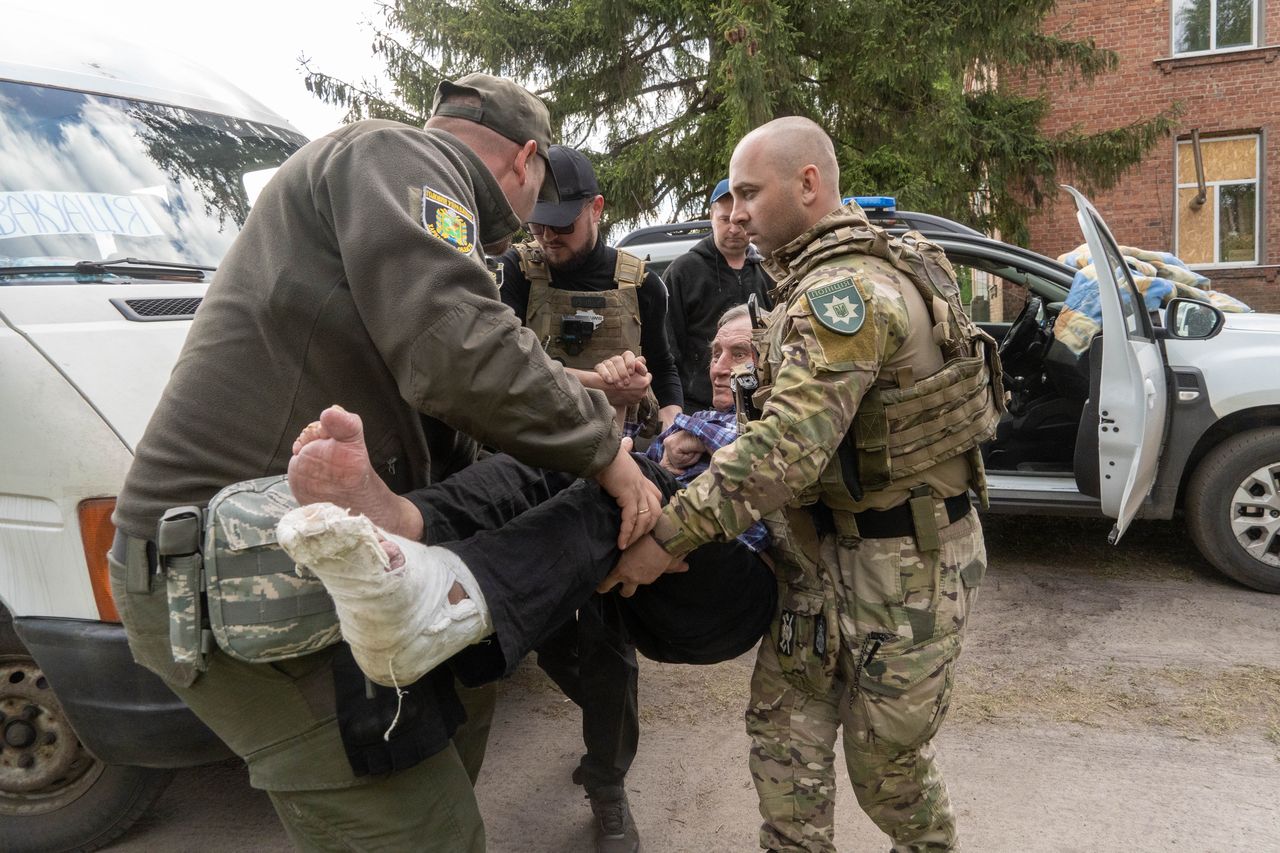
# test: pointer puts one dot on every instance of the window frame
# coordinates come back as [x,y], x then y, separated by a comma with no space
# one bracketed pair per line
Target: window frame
[1254,43]
[1213,187]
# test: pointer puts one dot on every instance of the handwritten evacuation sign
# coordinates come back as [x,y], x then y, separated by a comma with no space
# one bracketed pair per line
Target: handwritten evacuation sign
[47,213]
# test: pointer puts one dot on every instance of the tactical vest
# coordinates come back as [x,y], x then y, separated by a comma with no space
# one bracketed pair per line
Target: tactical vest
[561,318]
[903,430]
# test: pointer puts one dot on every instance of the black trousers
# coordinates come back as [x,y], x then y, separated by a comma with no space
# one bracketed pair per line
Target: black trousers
[539,542]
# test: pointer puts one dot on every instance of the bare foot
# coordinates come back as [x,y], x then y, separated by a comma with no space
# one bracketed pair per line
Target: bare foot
[331,464]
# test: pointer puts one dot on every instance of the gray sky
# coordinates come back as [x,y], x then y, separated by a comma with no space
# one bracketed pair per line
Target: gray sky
[253,43]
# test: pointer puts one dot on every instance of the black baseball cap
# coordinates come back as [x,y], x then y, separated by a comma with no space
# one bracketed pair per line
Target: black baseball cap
[505,107]
[576,181]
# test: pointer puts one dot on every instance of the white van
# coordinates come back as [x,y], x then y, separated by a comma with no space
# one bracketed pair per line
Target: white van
[125,174]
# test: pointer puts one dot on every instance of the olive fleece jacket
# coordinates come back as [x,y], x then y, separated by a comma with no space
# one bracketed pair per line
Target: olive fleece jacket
[340,290]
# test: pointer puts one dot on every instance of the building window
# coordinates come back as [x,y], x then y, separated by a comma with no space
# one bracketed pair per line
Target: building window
[1221,230]
[1200,26]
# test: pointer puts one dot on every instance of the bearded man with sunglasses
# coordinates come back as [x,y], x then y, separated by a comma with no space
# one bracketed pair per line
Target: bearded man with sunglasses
[587,302]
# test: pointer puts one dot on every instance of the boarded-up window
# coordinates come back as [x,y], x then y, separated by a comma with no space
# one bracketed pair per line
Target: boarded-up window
[1204,25]
[1223,230]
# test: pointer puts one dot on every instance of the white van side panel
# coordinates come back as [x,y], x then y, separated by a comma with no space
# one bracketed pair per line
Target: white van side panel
[56,451]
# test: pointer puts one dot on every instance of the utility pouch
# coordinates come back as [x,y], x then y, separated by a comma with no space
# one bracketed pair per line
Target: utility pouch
[178,550]
[262,608]
[806,636]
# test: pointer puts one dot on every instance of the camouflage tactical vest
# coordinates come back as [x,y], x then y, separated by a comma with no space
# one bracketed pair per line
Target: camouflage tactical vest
[560,318]
[903,430]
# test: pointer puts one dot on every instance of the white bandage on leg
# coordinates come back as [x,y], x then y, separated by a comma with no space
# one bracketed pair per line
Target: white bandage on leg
[399,622]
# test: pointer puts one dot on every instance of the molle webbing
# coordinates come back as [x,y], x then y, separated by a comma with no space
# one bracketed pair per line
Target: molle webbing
[901,432]
[620,309]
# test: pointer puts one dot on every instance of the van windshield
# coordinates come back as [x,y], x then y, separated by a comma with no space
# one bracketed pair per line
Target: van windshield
[90,178]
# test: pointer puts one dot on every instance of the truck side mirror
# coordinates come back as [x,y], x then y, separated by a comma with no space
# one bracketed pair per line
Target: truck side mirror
[1192,320]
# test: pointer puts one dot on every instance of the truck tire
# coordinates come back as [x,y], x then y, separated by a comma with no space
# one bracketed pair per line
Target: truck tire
[1233,508]
[54,795]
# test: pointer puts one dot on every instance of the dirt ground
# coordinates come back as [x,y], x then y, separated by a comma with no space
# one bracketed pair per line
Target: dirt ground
[1122,698]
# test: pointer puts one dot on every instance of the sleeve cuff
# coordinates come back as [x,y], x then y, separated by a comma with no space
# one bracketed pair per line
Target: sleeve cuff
[671,535]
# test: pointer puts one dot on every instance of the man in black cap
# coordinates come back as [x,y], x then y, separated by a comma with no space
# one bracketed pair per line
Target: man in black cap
[588,302]
[361,279]
[721,271]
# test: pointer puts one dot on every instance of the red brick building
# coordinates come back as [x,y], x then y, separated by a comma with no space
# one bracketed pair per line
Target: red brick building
[1221,60]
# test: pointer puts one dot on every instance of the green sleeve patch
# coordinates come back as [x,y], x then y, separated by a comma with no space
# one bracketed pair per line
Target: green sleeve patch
[838,306]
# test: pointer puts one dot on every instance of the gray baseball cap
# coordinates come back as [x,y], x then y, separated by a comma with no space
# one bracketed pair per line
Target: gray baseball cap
[505,107]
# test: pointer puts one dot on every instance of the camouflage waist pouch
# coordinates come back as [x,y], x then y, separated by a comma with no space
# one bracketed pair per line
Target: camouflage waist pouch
[261,609]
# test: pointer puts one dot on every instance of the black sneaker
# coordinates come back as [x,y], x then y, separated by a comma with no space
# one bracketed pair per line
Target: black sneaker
[615,830]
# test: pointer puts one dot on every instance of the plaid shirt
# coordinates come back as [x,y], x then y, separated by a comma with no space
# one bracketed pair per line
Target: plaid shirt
[715,430]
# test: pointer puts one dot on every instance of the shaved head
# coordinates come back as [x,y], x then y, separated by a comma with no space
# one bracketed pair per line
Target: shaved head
[795,142]
[784,177]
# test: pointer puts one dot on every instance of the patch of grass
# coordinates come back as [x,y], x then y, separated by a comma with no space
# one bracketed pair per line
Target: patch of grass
[1189,702]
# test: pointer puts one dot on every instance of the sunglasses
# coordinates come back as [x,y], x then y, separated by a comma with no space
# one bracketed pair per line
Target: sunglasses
[537,230]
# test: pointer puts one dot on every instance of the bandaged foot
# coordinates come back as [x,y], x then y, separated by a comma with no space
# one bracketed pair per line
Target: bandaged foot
[392,595]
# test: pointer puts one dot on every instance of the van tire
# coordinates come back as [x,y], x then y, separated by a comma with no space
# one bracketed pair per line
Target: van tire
[1209,506]
[86,807]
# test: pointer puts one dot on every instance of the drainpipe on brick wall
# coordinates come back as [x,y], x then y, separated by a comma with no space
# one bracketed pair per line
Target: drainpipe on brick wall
[1203,194]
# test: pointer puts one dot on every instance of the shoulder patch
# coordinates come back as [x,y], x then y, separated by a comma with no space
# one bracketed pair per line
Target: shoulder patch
[838,306]
[446,219]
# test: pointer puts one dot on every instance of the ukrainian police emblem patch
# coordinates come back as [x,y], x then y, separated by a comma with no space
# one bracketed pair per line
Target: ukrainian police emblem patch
[447,220]
[838,306]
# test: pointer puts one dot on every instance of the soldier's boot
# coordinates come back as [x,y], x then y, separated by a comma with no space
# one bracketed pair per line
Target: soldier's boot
[615,829]
[404,607]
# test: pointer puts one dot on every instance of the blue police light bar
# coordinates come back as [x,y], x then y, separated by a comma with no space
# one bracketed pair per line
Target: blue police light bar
[873,202]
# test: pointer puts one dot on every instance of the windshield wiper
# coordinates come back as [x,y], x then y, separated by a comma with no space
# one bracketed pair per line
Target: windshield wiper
[128,266]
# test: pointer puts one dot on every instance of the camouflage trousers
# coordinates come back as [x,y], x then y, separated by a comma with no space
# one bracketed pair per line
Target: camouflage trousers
[889,692]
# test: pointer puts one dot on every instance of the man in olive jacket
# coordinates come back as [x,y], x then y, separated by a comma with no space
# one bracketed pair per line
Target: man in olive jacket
[360,278]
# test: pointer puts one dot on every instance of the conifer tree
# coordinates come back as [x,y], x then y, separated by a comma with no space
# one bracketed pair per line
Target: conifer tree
[937,102]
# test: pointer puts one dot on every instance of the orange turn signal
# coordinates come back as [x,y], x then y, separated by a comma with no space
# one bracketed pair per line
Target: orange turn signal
[96,532]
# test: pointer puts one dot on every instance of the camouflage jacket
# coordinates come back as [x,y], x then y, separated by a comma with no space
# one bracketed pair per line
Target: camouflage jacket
[816,367]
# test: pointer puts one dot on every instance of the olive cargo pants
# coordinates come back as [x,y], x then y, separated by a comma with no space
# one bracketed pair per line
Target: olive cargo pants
[280,718]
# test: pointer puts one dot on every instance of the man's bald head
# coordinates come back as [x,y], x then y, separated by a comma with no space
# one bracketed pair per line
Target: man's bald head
[794,142]
[784,178]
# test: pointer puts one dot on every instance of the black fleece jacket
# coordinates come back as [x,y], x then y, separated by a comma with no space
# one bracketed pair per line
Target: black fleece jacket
[701,286]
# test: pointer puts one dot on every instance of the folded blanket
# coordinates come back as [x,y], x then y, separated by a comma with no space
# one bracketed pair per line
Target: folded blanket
[1159,276]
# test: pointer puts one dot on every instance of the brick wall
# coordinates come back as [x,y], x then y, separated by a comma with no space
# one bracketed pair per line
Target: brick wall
[1219,93]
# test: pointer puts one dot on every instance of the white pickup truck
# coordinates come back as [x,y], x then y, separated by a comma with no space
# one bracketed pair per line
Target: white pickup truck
[124,177]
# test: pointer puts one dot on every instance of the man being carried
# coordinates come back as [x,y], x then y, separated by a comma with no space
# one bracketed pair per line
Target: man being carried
[494,518]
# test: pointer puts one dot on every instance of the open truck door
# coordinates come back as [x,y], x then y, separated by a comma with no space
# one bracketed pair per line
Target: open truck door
[1132,397]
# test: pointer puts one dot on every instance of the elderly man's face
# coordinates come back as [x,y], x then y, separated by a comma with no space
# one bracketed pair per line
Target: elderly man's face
[731,347]
[729,237]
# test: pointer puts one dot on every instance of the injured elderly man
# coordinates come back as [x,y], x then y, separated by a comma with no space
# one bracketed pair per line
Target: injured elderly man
[507,552]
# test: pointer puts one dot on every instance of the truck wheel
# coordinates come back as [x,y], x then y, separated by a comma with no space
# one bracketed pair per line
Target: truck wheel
[1233,508]
[54,795]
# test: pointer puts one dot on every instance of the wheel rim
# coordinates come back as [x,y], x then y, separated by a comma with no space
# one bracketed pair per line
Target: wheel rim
[43,765]
[1255,514]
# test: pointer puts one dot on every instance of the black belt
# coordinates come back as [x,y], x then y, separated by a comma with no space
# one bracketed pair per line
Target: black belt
[895,522]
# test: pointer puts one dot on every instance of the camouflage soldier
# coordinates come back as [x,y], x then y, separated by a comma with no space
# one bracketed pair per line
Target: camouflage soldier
[874,392]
